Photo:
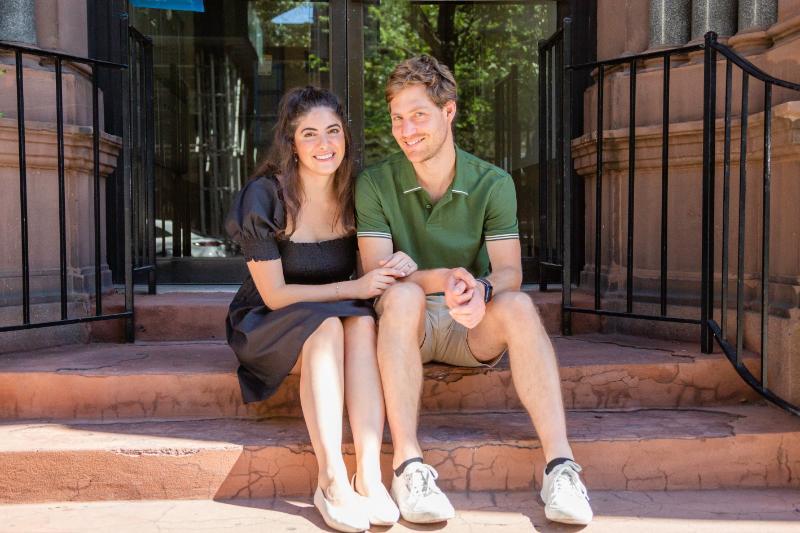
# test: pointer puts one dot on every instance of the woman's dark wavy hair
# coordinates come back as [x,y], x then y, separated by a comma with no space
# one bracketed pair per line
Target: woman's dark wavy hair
[281,161]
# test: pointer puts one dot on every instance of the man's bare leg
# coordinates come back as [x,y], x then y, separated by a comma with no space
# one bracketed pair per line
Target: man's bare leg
[534,368]
[400,330]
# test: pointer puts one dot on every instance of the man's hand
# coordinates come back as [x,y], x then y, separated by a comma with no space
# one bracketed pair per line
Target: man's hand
[471,313]
[459,288]
[464,296]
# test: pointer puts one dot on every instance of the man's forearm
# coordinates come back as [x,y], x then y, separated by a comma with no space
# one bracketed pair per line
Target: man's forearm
[431,281]
[505,279]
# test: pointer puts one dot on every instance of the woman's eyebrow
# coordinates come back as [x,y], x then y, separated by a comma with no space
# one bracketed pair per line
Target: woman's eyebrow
[335,125]
[308,129]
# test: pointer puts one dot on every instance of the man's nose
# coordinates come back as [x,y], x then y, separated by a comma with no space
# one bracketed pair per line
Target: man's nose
[408,128]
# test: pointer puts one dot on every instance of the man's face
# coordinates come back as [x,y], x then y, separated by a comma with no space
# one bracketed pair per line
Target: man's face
[419,126]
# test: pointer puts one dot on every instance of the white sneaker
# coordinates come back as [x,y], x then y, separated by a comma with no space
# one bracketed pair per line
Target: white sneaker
[564,495]
[381,509]
[419,499]
[349,517]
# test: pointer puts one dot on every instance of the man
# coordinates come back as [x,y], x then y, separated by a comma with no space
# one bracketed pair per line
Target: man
[455,216]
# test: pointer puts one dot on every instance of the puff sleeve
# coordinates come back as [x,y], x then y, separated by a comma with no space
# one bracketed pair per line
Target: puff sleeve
[255,216]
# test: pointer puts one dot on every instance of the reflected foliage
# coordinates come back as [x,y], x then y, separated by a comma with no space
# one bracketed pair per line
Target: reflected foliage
[480,42]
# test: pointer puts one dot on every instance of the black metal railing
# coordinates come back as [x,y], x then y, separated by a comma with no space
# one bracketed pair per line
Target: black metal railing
[507,138]
[719,330]
[601,68]
[555,111]
[137,179]
[552,58]
[142,132]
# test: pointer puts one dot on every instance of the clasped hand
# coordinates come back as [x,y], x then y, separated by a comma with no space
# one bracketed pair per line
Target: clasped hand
[464,296]
[375,282]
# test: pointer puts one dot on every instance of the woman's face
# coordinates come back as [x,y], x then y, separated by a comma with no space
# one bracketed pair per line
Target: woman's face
[319,142]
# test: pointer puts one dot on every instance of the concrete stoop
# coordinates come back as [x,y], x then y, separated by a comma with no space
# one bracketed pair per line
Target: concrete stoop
[154,436]
[643,449]
[710,511]
[171,380]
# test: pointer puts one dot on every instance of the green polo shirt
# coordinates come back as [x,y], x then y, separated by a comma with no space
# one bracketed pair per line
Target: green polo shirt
[480,205]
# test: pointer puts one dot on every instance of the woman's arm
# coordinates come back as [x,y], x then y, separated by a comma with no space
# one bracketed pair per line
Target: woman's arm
[276,293]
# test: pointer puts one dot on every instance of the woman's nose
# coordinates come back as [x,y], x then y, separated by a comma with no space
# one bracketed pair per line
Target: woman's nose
[324,140]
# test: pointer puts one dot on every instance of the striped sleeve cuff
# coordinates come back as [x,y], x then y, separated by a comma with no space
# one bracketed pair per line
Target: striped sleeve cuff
[380,234]
[502,237]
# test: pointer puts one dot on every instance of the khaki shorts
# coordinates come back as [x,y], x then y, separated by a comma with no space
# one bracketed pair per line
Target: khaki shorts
[445,340]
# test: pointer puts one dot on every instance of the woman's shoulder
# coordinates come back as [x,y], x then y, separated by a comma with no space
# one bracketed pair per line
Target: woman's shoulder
[264,182]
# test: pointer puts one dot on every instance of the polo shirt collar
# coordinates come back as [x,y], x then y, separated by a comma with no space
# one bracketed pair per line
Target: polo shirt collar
[460,185]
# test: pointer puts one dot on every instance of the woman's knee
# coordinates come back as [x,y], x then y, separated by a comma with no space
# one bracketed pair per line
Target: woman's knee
[329,332]
[358,324]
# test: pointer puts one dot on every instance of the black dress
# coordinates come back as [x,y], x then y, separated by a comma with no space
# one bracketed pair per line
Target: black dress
[268,342]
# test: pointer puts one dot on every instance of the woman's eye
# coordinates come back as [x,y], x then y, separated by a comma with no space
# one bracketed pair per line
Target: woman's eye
[333,131]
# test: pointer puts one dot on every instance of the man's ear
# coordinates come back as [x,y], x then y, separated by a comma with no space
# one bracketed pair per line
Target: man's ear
[450,109]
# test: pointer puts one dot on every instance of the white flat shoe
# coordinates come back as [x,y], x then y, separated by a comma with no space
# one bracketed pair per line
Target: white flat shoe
[381,509]
[350,518]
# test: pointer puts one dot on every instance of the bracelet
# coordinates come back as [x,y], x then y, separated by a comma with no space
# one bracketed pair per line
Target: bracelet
[336,288]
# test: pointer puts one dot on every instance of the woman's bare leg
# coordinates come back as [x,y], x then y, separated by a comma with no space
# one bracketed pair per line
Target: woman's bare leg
[322,397]
[364,399]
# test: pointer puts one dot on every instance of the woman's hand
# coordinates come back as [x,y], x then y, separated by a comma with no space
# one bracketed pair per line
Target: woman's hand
[400,261]
[373,283]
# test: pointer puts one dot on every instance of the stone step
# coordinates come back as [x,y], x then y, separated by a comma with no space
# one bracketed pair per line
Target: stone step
[198,379]
[710,511]
[179,316]
[739,447]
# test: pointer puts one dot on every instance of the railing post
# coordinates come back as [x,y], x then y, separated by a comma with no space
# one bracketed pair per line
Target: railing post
[709,151]
[127,182]
[149,168]
[543,203]
[566,272]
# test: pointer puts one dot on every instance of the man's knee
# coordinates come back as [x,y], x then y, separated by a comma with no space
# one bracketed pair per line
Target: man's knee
[402,300]
[514,306]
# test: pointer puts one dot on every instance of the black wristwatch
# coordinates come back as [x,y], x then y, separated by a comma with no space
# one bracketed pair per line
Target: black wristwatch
[488,289]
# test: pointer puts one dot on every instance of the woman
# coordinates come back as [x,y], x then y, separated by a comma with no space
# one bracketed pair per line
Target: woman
[300,311]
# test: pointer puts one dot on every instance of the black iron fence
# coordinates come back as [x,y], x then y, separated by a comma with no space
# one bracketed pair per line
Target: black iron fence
[719,329]
[135,159]
[142,132]
[552,111]
[555,210]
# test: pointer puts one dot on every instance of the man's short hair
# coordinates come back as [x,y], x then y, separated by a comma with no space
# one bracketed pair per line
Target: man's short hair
[423,70]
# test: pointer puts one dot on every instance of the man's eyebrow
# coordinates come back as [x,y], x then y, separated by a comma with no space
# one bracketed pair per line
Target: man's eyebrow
[418,108]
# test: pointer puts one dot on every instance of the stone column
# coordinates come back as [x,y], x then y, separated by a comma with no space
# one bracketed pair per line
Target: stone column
[17,21]
[755,18]
[757,14]
[713,15]
[670,23]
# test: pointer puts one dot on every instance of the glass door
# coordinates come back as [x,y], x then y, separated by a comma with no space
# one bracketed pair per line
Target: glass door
[492,49]
[218,77]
